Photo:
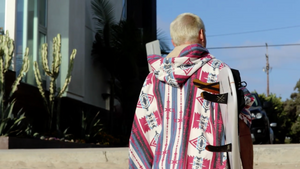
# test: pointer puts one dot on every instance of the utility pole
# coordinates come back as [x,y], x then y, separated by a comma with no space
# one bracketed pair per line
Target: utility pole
[267,70]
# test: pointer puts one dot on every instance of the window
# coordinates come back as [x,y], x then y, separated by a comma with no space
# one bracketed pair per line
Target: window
[31,31]
[2,16]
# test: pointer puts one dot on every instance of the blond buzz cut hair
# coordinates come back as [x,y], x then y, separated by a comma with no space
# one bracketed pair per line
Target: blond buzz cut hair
[185,28]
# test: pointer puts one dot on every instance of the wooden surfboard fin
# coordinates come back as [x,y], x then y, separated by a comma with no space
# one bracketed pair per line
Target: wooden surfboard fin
[224,148]
[209,87]
[218,98]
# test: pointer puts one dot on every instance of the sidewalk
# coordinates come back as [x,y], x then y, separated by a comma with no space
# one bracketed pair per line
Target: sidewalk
[86,158]
[277,156]
[265,157]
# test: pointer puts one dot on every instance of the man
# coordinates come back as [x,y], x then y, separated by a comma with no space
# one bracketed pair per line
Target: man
[173,123]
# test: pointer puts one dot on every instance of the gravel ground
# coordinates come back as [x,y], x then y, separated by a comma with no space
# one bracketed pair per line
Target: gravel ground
[61,165]
[276,166]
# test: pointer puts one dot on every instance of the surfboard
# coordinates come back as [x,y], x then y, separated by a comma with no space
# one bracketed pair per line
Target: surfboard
[153,48]
[224,92]
[230,116]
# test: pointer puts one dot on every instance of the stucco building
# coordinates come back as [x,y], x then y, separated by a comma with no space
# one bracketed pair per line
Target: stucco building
[34,22]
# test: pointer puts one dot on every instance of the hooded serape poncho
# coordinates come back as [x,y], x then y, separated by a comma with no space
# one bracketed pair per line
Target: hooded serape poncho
[173,123]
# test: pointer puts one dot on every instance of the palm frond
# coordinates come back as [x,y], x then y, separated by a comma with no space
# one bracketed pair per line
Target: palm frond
[103,13]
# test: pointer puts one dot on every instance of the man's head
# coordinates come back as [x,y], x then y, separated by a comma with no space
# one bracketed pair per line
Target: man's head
[187,28]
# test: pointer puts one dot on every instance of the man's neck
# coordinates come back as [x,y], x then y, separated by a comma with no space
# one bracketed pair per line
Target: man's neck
[176,51]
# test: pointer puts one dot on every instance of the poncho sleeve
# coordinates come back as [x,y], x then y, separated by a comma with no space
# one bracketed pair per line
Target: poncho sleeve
[245,114]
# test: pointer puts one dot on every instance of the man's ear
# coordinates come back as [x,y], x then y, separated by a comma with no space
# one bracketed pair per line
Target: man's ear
[201,35]
[173,43]
[202,38]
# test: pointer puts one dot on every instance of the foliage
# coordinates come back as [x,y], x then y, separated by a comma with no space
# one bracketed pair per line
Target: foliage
[116,47]
[10,124]
[286,114]
[276,114]
[119,46]
[103,13]
[90,127]
[52,103]
[107,139]
[292,112]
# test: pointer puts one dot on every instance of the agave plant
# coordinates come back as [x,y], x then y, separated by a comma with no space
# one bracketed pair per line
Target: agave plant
[90,127]
[9,123]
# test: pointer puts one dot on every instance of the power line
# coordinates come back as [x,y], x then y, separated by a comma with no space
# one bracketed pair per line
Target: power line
[246,32]
[253,46]
[287,69]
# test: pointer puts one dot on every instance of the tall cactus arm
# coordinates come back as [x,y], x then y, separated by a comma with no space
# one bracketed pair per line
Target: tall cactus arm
[55,66]
[38,80]
[56,55]
[54,46]
[53,75]
[2,90]
[2,46]
[23,71]
[52,89]
[8,51]
[68,77]
[44,54]
[1,75]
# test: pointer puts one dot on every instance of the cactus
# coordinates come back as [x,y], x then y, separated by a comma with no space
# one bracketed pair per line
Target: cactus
[52,103]
[9,123]
[6,52]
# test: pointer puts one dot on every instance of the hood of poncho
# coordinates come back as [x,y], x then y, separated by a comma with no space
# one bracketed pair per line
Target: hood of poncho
[180,64]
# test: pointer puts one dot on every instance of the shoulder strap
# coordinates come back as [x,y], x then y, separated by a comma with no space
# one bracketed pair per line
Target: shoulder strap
[238,86]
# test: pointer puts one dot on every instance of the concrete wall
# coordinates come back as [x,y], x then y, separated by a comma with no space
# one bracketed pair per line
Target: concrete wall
[68,19]
[89,80]
[73,20]
[265,157]
[95,77]
[76,22]
[118,7]
[58,16]
[10,16]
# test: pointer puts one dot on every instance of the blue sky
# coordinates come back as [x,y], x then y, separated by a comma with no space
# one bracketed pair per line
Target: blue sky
[225,17]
